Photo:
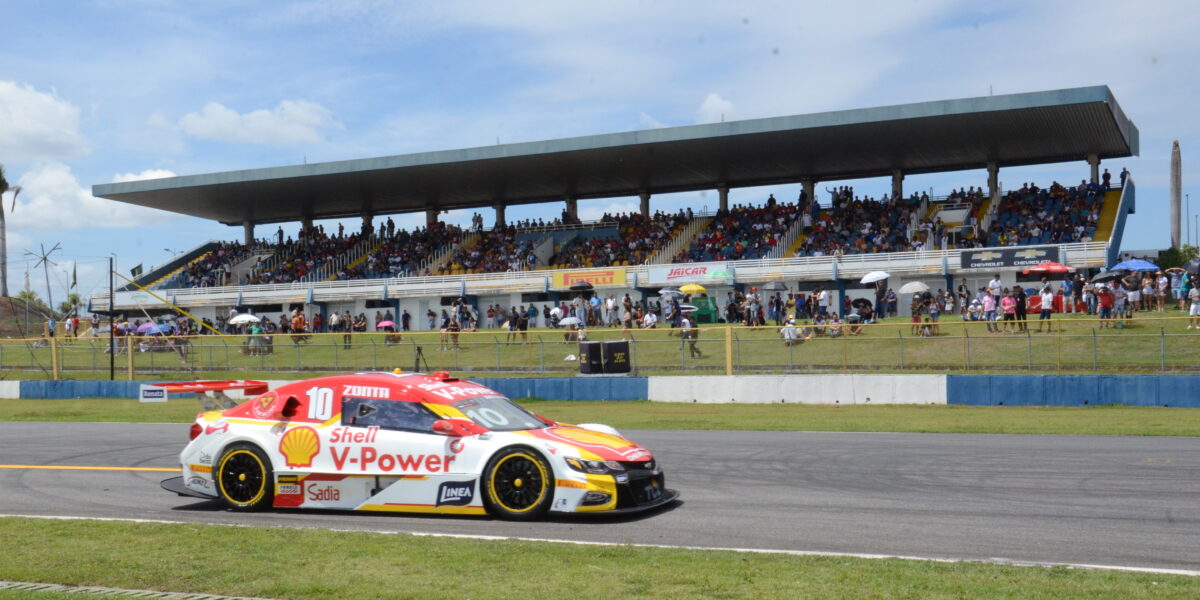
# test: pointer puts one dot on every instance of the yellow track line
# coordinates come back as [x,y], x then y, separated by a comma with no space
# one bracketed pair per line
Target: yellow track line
[74,468]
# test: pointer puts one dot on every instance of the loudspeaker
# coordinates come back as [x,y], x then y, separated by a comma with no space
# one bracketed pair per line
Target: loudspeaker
[590,358]
[616,357]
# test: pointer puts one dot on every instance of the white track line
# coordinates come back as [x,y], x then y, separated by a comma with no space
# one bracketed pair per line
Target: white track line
[480,537]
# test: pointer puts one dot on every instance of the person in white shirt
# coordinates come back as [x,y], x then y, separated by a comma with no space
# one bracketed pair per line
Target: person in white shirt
[995,286]
[649,321]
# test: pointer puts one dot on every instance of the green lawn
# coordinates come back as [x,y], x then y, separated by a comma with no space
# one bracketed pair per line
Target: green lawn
[1098,420]
[1149,344]
[305,563]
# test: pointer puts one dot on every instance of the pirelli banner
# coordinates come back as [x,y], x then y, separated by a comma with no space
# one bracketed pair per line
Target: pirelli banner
[1008,257]
[613,277]
[679,274]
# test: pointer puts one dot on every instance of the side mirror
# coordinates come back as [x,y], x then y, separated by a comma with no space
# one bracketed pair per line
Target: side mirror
[457,427]
[550,422]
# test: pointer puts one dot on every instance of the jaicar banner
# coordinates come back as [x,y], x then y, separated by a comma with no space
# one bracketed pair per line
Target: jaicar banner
[678,274]
[596,277]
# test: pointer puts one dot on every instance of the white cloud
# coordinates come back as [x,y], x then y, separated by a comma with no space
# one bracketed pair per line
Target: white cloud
[37,126]
[52,199]
[715,109]
[147,174]
[291,122]
[593,211]
[648,122]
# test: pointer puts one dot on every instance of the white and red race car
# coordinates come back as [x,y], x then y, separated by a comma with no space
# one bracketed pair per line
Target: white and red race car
[411,443]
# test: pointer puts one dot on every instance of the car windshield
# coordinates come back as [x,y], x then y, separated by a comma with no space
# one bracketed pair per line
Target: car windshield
[498,413]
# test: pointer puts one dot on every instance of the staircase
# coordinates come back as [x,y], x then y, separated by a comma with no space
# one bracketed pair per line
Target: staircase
[788,240]
[1108,215]
[348,259]
[170,279]
[682,240]
[446,253]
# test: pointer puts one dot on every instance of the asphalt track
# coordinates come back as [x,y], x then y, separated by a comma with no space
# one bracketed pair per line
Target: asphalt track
[1119,501]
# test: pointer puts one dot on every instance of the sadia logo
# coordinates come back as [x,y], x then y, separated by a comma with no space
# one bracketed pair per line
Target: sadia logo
[455,493]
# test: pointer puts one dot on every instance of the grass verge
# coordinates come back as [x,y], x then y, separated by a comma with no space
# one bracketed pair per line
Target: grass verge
[305,563]
[1098,420]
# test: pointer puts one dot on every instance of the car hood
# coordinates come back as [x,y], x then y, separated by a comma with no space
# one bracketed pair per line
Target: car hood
[593,445]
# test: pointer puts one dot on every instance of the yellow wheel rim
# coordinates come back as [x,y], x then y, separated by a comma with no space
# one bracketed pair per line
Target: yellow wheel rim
[531,467]
[240,465]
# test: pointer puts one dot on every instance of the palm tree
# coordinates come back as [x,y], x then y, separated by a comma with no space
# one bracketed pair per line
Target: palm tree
[3,233]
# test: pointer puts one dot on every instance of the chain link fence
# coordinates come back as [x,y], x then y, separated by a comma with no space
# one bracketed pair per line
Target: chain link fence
[1147,345]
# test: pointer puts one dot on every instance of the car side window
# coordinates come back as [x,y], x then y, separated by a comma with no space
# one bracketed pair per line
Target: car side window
[387,414]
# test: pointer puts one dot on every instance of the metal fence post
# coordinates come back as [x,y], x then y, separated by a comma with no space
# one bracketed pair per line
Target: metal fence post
[1094,358]
[845,352]
[335,356]
[129,349]
[1058,349]
[1162,336]
[1029,348]
[374,355]
[728,350]
[900,336]
[541,354]
[966,349]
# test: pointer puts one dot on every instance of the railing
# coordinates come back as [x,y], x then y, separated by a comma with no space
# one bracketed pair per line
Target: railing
[789,237]
[681,240]
[1081,345]
[352,254]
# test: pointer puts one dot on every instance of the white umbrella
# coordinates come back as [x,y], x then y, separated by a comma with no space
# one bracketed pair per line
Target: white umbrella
[874,276]
[688,308]
[913,287]
[555,312]
[569,321]
[244,318]
[669,291]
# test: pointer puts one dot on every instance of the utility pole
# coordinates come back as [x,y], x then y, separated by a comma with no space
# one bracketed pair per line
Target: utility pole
[112,327]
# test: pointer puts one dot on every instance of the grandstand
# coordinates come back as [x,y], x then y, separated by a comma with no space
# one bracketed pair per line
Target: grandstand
[801,243]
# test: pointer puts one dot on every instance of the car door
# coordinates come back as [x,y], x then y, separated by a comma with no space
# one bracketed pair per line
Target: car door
[390,438]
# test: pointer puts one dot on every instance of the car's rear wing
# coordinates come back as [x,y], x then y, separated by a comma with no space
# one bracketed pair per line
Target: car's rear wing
[211,394]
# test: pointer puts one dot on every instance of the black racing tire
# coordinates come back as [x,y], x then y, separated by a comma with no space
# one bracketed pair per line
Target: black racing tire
[518,484]
[244,479]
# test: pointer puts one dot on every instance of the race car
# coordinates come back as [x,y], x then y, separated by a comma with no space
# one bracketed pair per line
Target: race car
[411,442]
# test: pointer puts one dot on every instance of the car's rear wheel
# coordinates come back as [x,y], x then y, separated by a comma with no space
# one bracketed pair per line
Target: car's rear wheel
[245,481]
[518,484]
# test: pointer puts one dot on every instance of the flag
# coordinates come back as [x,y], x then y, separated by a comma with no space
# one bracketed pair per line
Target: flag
[74,275]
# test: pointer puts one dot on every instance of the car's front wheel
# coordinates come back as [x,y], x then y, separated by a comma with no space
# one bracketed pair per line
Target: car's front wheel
[244,478]
[518,484]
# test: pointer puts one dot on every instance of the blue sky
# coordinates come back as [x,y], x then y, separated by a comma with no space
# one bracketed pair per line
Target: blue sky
[99,91]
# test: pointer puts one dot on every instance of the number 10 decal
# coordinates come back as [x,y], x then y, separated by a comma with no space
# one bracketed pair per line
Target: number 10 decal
[320,403]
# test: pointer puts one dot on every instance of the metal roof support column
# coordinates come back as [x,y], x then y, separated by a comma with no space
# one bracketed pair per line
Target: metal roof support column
[723,196]
[367,226]
[431,215]
[897,184]
[810,189]
[248,230]
[645,196]
[572,208]
[1094,163]
[306,223]
[499,214]
[993,170]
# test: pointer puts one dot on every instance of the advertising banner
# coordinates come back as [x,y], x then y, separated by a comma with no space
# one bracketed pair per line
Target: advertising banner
[610,277]
[679,274]
[1008,257]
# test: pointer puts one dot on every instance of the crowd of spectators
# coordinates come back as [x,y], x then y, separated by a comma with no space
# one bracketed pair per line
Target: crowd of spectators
[295,259]
[742,232]
[403,252]
[638,239]
[497,251]
[214,268]
[861,225]
[1054,215]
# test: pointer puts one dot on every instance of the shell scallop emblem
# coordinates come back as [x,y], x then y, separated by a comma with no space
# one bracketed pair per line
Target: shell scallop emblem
[299,445]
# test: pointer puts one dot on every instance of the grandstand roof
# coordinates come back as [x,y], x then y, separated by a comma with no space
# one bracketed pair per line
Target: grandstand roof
[926,137]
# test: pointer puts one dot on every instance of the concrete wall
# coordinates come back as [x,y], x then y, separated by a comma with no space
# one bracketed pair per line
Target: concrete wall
[977,390]
[801,389]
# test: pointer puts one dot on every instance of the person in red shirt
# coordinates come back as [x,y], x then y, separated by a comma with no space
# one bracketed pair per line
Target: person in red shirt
[1104,299]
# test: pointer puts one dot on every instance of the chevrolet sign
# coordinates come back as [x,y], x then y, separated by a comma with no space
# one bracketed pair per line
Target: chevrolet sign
[1008,257]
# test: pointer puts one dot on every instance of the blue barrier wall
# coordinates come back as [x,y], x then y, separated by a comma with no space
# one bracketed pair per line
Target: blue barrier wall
[550,388]
[1073,390]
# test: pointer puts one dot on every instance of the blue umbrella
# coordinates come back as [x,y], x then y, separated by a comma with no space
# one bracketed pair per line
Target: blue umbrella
[1136,264]
[158,329]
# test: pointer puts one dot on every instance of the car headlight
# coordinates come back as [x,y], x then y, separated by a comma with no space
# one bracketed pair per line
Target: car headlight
[595,467]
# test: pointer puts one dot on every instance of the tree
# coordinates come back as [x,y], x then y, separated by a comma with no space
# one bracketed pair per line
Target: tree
[70,305]
[30,297]
[3,234]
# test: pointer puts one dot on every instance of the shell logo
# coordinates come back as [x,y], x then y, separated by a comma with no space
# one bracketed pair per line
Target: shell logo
[299,445]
